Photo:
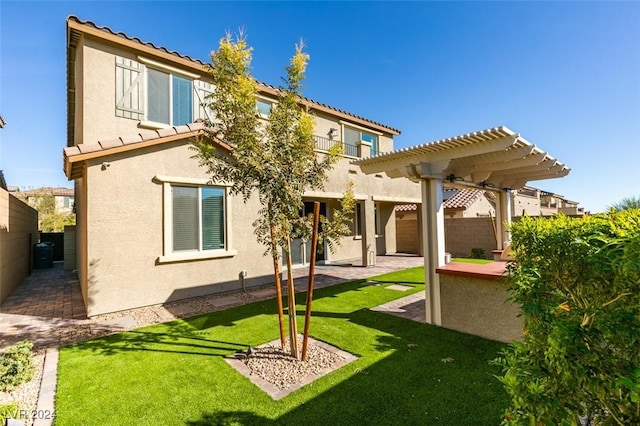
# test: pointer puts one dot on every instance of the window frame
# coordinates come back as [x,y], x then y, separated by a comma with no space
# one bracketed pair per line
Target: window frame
[140,85]
[357,224]
[168,255]
[374,148]
[265,101]
[171,77]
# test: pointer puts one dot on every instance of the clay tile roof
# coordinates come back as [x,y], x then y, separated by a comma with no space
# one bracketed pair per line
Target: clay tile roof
[78,153]
[58,192]
[453,199]
[198,61]
[460,198]
[407,208]
[136,39]
[143,136]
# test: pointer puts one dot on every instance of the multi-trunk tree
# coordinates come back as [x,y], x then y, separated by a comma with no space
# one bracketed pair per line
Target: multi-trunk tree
[270,157]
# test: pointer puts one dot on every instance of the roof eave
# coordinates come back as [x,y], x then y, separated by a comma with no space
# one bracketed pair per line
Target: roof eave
[74,156]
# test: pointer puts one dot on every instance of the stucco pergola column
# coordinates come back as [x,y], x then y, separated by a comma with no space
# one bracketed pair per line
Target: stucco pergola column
[367,218]
[503,217]
[432,220]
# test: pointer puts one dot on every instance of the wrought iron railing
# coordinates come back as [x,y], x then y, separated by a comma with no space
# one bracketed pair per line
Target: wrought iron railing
[324,144]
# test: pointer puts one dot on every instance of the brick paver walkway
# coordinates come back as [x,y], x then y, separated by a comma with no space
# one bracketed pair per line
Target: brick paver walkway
[47,307]
[48,293]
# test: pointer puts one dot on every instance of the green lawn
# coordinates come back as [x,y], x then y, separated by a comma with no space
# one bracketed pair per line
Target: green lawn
[171,374]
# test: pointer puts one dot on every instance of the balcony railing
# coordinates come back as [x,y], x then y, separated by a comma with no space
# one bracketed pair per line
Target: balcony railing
[324,144]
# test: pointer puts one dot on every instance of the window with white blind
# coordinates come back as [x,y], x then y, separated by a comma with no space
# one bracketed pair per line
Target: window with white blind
[169,98]
[198,218]
[160,95]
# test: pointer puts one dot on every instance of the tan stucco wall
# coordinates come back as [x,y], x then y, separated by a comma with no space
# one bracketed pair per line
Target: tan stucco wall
[480,208]
[525,205]
[82,263]
[479,306]
[125,235]
[386,192]
[119,231]
[96,108]
[18,233]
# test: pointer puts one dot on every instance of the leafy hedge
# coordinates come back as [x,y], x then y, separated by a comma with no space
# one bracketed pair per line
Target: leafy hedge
[578,284]
[16,365]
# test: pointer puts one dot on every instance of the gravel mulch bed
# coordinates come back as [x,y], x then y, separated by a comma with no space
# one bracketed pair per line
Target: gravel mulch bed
[279,373]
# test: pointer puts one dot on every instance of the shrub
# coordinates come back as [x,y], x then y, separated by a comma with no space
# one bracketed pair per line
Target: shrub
[477,253]
[16,365]
[8,411]
[578,284]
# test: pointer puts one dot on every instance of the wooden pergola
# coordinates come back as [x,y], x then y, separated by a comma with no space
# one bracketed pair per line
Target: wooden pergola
[496,159]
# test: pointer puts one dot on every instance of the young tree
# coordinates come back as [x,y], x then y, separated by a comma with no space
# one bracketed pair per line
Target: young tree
[272,157]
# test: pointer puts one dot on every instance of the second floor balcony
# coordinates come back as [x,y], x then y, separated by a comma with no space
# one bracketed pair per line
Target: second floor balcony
[354,150]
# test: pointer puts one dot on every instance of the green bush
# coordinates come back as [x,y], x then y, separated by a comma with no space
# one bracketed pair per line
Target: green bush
[8,411]
[477,253]
[16,365]
[578,284]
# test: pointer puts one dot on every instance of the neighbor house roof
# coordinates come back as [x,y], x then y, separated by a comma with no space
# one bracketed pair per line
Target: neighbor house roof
[454,198]
[76,27]
[492,158]
[75,155]
[55,191]
[461,198]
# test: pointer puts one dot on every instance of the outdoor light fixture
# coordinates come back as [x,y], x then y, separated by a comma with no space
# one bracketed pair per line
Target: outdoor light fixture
[333,132]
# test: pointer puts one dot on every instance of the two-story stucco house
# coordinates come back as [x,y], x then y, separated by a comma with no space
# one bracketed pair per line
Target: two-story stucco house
[149,226]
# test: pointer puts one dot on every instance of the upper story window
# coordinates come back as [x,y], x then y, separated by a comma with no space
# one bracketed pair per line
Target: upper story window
[161,95]
[264,107]
[170,98]
[353,136]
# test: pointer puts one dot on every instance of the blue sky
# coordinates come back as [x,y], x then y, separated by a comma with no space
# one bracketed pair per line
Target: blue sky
[565,75]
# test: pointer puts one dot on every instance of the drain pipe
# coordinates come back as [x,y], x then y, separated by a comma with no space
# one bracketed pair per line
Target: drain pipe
[242,275]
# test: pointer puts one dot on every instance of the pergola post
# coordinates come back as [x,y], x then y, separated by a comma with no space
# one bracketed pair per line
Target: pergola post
[368,220]
[432,218]
[503,217]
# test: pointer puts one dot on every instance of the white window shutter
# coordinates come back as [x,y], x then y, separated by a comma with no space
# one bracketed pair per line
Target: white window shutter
[129,89]
[201,91]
